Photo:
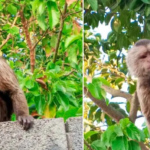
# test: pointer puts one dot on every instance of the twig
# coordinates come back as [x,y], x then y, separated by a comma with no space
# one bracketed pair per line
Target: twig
[117,93]
[9,35]
[60,32]
[72,13]
[70,73]
[40,39]
[87,144]
[75,4]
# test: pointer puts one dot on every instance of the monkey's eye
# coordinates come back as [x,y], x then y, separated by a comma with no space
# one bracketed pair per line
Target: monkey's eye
[143,56]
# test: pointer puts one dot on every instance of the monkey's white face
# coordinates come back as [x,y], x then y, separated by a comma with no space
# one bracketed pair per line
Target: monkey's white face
[138,61]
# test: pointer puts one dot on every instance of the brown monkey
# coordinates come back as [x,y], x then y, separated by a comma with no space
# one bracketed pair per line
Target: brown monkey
[138,62]
[12,98]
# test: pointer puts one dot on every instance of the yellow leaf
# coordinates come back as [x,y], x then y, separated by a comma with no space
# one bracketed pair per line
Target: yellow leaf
[50,111]
[1,53]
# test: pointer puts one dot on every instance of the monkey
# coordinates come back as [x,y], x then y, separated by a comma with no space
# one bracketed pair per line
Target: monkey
[12,98]
[138,63]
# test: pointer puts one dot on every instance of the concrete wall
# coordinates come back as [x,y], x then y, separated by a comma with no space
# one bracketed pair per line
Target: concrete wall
[46,134]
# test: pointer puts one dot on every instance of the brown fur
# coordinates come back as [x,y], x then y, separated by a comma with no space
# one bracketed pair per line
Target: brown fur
[138,62]
[12,98]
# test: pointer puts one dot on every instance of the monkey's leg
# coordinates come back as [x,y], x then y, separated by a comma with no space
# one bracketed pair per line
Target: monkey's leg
[3,111]
[21,109]
[9,83]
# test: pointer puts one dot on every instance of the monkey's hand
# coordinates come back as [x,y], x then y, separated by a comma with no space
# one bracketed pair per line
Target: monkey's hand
[25,121]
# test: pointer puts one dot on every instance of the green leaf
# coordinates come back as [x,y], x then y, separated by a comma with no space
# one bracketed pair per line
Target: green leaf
[147,11]
[72,39]
[12,9]
[63,100]
[41,21]
[133,145]
[41,8]
[29,83]
[90,133]
[98,145]
[13,30]
[1,7]
[120,143]
[119,81]
[72,55]
[116,25]
[35,5]
[108,136]
[118,130]
[94,90]
[59,86]
[93,4]
[53,13]
[124,123]
[146,1]
[39,103]
[134,133]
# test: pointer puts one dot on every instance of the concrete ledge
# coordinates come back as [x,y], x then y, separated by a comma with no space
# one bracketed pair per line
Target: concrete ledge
[46,134]
[74,129]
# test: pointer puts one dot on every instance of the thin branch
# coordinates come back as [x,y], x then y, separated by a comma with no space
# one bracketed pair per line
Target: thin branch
[88,145]
[109,110]
[29,43]
[72,13]
[117,93]
[75,4]
[70,73]
[60,10]
[9,35]
[60,32]
[40,39]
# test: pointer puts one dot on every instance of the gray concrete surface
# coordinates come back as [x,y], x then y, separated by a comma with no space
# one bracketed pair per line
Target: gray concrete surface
[46,134]
[74,129]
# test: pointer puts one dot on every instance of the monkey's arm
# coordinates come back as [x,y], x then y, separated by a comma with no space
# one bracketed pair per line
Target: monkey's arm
[9,83]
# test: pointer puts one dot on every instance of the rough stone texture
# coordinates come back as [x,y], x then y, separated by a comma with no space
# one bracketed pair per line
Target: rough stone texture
[47,134]
[74,129]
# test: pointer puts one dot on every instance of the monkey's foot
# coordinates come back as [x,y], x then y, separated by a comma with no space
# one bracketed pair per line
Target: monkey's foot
[26,121]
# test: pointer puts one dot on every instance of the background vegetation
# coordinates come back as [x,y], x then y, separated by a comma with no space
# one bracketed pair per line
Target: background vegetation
[106,72]
[42,41]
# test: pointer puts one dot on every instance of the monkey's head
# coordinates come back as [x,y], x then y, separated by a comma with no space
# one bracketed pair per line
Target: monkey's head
[138,59]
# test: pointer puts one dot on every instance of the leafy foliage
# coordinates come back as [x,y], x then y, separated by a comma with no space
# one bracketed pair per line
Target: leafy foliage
[104,58]
[47,29]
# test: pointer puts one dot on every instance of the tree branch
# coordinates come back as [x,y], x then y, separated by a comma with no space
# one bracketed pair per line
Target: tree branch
[9,35]
[109,110]
[29,43]
[117,93]
[114,92]
[60,32]
[72,13]
[40,39]
[87,144]
[134,107]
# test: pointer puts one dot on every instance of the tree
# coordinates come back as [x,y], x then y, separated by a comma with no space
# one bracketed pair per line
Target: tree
[106,72]
[42,41]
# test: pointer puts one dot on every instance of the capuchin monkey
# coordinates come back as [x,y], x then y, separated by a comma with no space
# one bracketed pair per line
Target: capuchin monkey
[138,62]
[12,98]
